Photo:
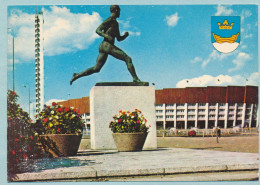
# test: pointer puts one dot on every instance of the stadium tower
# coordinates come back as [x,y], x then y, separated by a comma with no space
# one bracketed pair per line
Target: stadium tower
[39,62]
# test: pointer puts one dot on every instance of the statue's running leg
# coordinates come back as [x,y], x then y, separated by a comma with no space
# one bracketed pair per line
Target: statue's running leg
[121,55]
[101,59]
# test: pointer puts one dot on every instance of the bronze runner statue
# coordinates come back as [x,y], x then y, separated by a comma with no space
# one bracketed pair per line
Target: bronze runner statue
[109,29]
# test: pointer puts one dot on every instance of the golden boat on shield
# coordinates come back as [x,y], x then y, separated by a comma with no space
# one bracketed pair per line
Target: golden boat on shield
[231,39]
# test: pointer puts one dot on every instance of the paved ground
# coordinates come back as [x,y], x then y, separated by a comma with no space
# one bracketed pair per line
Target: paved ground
[244,143]
[211,176]
[89,165]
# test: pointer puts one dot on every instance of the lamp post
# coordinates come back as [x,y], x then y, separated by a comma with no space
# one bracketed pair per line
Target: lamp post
[13,56]
[29,97]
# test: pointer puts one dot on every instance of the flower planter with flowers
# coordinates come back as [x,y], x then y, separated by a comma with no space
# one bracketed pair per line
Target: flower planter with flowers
[60,130]
[192,133]
[129,130]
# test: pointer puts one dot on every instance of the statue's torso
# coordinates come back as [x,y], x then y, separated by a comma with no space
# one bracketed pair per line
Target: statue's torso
[111,29]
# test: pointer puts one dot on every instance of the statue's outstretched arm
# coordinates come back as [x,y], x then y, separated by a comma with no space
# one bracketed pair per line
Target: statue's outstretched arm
[118,36]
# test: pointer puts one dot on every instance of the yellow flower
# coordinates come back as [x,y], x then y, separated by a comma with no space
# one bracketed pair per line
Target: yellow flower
[51,125]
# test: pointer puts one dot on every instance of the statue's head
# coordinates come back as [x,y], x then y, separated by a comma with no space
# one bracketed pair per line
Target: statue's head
[115,10]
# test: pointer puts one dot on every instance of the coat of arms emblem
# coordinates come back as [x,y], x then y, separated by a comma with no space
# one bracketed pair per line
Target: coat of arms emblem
[225,33]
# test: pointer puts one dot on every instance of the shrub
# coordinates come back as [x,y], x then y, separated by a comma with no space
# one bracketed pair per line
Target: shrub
[21,139]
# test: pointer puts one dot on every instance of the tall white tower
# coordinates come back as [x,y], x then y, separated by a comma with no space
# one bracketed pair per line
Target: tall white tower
[39,62]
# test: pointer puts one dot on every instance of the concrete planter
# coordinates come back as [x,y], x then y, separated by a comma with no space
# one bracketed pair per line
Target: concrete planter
[129,142]
[59,145]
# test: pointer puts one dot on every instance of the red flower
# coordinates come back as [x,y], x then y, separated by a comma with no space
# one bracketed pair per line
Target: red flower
[31,138]
[120,120]
[59,109]
[66,109]
[29,148]
[16,139]
[20,150]
[13,92]
[13,152]
[78,111]
[18,105]
[45,119]
[35,155]
[25,156]
[53,104]
[137,121]
[12,122]
[9,118]
[21,136]
[59,130]
[31,120]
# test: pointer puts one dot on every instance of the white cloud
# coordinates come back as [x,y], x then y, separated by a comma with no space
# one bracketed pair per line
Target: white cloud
[245,14]
[22,28]
[134,33]
[67,32]
[172,20]
[222,10]
[213,56]
[240,61]
[221,80]
[253,79]
[48,103]
[127,27]
[246,30]
[243,46]
[196,60]
[125,24]
[10,64]
[64,32]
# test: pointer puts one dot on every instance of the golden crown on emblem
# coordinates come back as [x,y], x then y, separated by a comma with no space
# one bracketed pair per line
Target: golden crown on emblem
[225,25]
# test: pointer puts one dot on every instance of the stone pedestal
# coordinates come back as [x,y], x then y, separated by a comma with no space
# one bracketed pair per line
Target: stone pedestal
[107,101]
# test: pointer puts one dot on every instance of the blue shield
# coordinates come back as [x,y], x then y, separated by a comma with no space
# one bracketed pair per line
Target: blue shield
[225,33]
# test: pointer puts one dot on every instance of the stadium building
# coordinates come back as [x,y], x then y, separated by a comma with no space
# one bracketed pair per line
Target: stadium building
[201,107]
[207,107]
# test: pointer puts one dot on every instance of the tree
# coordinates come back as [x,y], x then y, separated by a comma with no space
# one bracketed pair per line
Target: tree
[21,139]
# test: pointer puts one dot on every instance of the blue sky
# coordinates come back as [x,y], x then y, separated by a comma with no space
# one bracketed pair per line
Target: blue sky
[169,45]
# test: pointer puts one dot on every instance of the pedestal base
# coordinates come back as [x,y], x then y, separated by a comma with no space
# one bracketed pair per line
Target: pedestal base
[107,101]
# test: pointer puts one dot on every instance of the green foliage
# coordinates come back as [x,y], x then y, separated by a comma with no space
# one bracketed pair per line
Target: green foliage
[129,122]
[21,140]
[57,119]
